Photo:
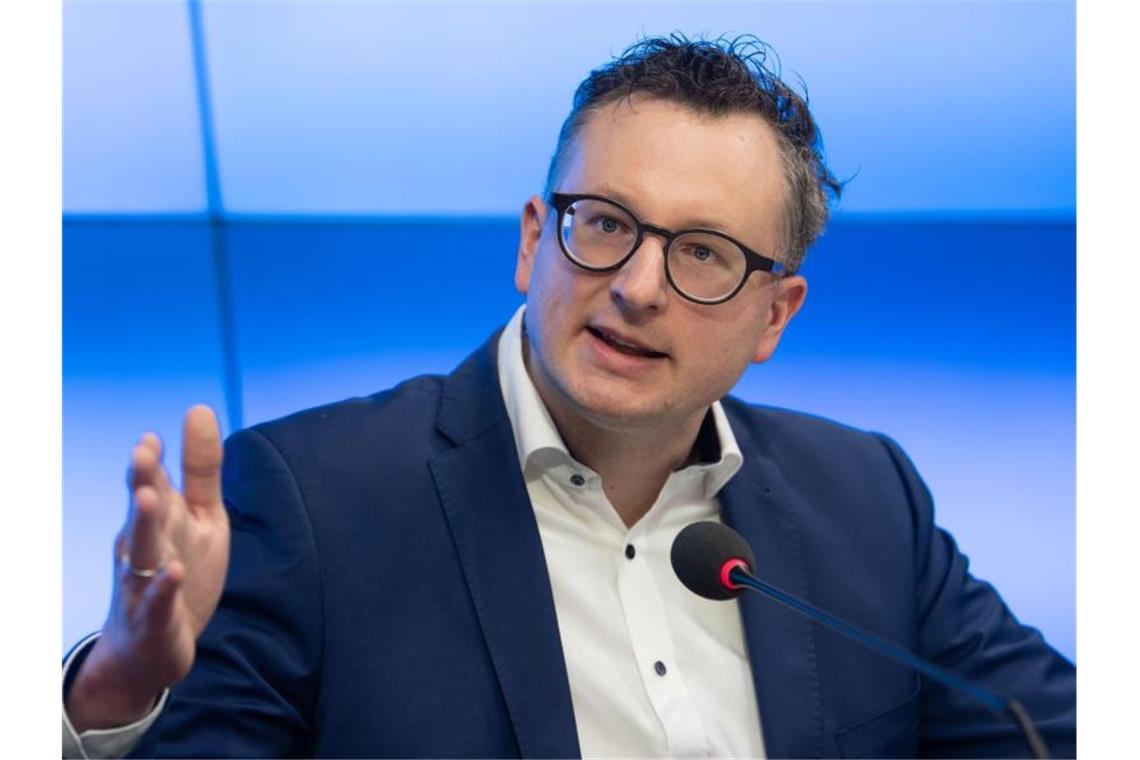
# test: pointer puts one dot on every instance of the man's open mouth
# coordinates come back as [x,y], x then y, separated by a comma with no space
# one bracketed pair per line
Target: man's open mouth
[624,348]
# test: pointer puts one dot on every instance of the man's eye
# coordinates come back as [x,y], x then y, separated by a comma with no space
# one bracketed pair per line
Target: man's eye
[609,224]
[701,253]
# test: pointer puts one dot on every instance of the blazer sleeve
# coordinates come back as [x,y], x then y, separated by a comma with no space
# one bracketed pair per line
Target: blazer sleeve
[252,689]
[965,626]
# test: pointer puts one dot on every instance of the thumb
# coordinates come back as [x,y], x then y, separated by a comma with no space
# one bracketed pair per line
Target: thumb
[201,458]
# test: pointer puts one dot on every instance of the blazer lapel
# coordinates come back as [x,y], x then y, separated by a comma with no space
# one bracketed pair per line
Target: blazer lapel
[487,508]
[781,644]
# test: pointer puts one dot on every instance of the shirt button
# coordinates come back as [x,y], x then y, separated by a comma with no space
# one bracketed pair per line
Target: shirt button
[577,480]
[630,551]
[659,667]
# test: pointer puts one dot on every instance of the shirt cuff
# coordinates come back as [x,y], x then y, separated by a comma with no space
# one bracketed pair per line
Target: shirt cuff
[100,742]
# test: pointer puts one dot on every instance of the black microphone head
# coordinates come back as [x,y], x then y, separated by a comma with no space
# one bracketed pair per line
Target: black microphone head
[700,552]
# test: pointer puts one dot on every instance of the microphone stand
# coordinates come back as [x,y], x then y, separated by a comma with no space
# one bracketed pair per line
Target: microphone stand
[995,702]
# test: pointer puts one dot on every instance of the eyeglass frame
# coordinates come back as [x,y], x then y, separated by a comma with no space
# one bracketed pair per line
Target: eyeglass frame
[753,261]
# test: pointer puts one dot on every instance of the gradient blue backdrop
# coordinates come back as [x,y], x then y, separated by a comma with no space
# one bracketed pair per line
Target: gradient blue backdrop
[257,208]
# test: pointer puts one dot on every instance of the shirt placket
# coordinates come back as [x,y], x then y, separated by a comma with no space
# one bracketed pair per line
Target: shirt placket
[644,609]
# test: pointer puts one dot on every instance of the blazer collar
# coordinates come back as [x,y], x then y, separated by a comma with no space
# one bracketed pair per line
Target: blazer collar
[471,402]
[781,644]
[485,503]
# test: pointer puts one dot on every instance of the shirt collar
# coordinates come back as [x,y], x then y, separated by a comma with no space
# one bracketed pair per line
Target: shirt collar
[539,443]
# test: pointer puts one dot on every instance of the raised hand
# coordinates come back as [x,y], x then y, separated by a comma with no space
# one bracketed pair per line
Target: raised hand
[170,565]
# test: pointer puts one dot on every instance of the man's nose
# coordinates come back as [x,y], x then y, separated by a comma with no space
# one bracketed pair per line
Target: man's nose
[641,283]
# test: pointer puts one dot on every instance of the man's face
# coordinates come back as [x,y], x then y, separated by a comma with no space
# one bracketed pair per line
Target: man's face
[675,169]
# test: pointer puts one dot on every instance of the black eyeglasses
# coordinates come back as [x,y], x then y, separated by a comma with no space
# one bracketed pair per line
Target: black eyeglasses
[703,266]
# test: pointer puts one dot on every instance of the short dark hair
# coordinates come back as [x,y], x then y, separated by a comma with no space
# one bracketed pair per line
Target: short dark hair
[720,77]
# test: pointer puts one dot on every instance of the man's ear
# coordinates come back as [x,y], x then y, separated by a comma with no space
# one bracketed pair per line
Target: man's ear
[789,298]
[531,223]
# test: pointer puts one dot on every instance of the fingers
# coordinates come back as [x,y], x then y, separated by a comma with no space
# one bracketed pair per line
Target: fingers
[144,546]
[146,465]
[158,602]
[152,442]
[201,459]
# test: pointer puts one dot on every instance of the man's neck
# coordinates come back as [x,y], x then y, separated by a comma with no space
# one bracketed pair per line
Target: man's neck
[633,465]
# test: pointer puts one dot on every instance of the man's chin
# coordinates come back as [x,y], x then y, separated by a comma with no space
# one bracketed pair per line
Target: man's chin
[619,409]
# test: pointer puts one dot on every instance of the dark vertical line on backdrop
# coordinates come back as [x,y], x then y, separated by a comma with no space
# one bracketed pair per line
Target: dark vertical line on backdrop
[215,218]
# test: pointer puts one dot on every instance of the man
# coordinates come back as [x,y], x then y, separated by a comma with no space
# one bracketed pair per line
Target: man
[477,565]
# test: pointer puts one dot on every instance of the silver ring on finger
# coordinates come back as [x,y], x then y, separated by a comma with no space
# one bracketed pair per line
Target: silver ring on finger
[142,572]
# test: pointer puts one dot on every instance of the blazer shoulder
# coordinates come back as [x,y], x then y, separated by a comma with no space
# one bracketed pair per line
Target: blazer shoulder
[780,428]
[408,410]
[808,450]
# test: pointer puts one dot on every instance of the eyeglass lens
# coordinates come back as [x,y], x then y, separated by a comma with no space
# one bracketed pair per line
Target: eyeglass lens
[597,235]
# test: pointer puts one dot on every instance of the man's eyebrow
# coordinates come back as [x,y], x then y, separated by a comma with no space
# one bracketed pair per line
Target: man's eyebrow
[690,223]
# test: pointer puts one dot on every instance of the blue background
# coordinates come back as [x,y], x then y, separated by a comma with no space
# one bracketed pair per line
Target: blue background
[259,210]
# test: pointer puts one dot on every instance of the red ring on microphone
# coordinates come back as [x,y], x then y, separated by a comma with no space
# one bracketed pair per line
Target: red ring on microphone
[727,568]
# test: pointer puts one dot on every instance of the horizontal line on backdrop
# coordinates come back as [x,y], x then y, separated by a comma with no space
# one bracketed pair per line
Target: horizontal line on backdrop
[965,216]
[236,219]
[136,218]
[838,217]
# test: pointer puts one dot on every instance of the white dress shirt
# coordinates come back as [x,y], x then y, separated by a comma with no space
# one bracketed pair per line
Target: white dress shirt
[654,670]
[104,742]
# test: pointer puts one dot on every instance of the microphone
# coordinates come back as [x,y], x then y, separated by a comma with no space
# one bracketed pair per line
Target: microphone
[714,561]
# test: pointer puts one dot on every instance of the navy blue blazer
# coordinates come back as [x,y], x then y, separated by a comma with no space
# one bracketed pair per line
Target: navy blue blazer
[387,595]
